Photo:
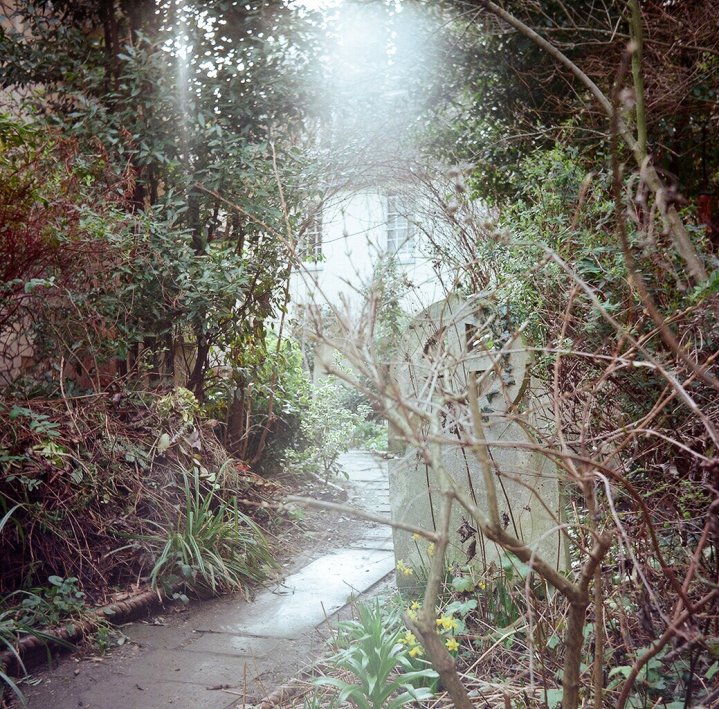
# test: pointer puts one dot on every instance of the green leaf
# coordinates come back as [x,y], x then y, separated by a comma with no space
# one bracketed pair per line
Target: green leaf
[463,584]
[8,514]
[511,565]
[623,670]
[461,607]
[554,698]
[708,288]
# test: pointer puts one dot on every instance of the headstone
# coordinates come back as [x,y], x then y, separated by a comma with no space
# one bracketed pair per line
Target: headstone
[449,342]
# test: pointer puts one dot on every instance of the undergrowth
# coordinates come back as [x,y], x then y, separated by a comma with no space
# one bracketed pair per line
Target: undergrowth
[212,547]
[381,670]
[85,476]
[100,490]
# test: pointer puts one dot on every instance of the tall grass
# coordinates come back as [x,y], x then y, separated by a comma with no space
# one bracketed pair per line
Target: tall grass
[212,547]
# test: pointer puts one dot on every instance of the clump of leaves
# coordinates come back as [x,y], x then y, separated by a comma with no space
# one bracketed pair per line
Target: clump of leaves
[61,599]
[371,648]
[212,547]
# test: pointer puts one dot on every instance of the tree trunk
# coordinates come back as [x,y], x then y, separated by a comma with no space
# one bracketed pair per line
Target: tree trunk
[235,430]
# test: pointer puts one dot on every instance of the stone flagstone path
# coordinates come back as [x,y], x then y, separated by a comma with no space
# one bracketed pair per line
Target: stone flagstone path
[227,652]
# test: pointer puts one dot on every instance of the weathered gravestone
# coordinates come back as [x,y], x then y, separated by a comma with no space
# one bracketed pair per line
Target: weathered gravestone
[450,341]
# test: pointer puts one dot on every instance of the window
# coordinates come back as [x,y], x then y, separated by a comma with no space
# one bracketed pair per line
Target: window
[311,241]
[400,236]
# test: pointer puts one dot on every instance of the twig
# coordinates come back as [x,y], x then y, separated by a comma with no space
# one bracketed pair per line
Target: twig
[346,509]
[656,647]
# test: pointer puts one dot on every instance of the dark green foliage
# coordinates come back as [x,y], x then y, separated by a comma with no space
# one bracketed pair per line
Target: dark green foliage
[266,378]
[178,107]
[174,130]
[505,97]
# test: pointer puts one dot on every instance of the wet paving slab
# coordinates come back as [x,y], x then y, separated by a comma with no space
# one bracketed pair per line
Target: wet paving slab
[307,598]
[227,651]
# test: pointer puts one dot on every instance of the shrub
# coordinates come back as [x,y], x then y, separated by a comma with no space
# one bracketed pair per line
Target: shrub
[327,429]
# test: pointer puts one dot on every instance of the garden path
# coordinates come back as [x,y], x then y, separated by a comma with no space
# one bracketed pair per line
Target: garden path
[228,652]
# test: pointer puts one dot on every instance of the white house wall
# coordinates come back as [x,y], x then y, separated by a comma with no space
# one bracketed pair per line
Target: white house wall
[354,236]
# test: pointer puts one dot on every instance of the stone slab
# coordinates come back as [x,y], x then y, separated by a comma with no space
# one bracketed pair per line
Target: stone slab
[375,538]
[208,669]
[380,545]
[235,645]
[380,532]
[442,355]
[152,695]
[143,679]
[363,467]
[158,637]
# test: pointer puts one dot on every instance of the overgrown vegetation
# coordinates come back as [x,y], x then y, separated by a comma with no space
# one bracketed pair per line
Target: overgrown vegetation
[594,256]
[153,180]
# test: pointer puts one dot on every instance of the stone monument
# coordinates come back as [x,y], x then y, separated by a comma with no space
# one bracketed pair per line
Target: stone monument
[449,342]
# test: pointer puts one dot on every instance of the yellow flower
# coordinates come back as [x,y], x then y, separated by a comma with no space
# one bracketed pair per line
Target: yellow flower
[415,606]
[404,569]
[412,615]
[416,651]
[408,638]
[447,622]
[416,537]
[481,585]
[430,549]
[452,645]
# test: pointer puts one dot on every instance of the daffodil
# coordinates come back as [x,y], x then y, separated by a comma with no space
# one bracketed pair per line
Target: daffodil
[447,623]
[452,645]
[416,651]
[404,569]
[408,639]
[430,549]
